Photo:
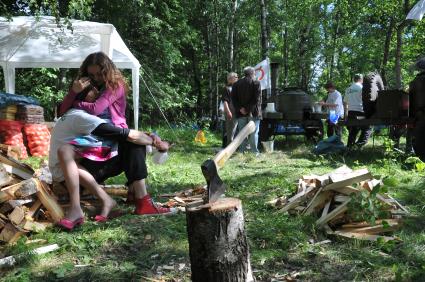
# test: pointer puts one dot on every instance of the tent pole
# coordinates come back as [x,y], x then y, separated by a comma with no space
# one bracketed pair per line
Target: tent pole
[9,78]
[135,86]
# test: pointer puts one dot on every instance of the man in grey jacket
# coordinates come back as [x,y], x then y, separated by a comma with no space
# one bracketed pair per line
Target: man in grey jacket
[246,94]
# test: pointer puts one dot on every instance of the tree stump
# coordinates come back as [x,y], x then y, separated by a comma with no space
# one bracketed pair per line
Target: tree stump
[218,245]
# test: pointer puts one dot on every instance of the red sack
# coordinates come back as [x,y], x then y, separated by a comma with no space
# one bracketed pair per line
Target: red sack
[11,134]
[38,139]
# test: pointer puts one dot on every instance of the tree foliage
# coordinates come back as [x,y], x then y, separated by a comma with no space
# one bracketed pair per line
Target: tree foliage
[187,47]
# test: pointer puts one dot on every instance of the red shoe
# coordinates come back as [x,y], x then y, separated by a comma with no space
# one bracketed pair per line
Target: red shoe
[100,218]
[145,206]
[69,224]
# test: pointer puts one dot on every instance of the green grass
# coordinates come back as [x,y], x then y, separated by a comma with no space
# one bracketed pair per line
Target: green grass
[120,250]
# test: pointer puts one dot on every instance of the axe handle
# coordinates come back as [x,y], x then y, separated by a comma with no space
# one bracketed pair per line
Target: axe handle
[225,154]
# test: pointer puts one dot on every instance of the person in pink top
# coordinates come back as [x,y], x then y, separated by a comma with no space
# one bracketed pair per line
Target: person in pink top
[99,75]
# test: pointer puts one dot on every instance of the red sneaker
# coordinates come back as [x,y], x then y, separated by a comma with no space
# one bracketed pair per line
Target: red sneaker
[145,206]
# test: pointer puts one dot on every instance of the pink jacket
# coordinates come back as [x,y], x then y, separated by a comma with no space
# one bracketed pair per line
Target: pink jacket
[115,100]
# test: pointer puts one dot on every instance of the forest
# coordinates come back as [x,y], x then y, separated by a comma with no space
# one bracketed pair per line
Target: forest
[186,48]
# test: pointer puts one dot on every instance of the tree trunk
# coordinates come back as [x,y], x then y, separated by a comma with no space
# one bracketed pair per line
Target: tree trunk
[231,35]
[264,36]
[210,72]
[197,82]
[285,50]
[398,53]
[334,48]
[218,246]
[387,45]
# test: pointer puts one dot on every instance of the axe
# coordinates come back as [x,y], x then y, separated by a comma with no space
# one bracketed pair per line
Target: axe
[215,185]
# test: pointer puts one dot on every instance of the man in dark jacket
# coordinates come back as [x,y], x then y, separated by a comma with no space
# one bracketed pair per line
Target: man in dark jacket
[246,94]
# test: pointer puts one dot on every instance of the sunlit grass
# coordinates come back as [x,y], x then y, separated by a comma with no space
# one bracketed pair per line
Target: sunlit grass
[279,244]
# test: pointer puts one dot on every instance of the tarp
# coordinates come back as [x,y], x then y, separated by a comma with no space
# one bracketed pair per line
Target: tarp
[417,12]
[27,42]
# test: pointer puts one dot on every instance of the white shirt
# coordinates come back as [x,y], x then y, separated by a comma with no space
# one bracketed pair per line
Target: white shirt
[353,97]
[336,98]
[72,124]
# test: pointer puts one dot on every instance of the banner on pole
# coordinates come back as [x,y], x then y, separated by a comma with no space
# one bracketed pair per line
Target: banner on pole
[262,73]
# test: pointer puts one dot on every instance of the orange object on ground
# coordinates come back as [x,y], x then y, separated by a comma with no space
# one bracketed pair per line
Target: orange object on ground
[11,134]
[200,137]
[38,138]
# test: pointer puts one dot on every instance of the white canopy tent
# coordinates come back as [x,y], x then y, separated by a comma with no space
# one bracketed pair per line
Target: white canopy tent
[27,42]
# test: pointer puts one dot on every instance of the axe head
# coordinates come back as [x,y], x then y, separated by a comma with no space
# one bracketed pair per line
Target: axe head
[215,185]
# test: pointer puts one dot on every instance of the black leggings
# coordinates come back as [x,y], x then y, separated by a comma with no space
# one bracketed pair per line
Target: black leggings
[131,158]
[112,132]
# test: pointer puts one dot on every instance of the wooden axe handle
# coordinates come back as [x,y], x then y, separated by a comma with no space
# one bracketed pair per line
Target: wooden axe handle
[225,154]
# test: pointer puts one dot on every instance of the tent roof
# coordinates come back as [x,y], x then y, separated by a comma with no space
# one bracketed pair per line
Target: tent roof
[27,42]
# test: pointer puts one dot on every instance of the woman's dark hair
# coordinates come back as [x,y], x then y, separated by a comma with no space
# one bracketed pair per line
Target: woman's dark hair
[110,73]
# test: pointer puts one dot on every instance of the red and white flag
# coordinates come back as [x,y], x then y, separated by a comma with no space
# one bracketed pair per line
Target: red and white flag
[262,72]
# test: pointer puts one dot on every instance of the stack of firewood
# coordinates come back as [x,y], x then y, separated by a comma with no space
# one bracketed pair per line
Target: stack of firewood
[185,197]
[26,202]
[332,197]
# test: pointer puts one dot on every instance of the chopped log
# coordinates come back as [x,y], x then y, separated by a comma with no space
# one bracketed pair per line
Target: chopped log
[363,236]
[346,190]
[26,169]
[337,211]
[278,202]
[391,201]
[17,215]
[116,190]
[5,178]
[27,188]
[49,201]
[218,245]
[33,226]
[325,210]
[10,151]
[33,209]
[392,224]
[11,260]
[347,179]
[319,200]
[11,204]
[24,174]
[2,223]
[295,200]
[370,184]
[10,233]
[341,198]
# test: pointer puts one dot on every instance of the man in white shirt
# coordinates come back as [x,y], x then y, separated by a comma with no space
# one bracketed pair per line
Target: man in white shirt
[354,111]
[334,103]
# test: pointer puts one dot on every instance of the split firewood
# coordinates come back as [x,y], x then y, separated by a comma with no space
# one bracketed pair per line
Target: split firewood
[11,233]
[116,190]
[5,178]
[347,179]
[370,184]
[33,209]
[363,236]
[10,151]
[49,201]
[341,198]
[346,190]
[298,198]
[27,188]
[319,200]
[337,211]
[11,260]
[17,215]
[278,202]
[33,226]
[22,173]
[2,223]
[11,204]
[390,225]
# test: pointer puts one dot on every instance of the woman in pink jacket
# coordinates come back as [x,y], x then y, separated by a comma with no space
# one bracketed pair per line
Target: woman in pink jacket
[99,75]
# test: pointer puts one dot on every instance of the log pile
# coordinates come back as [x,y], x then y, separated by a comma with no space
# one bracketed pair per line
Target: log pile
[26,202]
[186,197]
[335,198]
